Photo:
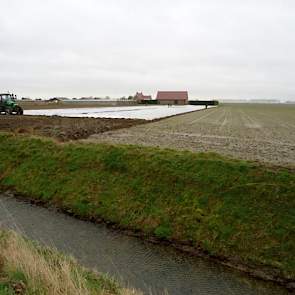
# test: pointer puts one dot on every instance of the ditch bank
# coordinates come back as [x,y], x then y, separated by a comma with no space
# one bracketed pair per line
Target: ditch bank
[28,268]
[236,212]
[151,268]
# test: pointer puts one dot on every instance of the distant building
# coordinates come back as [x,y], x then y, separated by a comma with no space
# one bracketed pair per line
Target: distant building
[58,98]
[172,97]
[54,100]
[140,98]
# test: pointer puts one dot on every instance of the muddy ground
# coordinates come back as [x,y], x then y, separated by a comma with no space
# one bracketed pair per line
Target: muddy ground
[62,128]
[259,132]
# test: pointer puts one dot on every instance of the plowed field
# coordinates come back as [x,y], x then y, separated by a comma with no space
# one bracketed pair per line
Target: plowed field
[248,131]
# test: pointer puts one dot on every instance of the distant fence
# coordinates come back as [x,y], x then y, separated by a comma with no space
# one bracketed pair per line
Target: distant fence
[191,102]
[204,102]
[152,101]
[29,104]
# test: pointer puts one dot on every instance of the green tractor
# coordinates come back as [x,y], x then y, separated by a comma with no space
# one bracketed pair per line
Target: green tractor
[8,105]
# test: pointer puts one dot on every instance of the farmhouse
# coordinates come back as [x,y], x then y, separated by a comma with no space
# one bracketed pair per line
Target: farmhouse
[172,97]
[140,98]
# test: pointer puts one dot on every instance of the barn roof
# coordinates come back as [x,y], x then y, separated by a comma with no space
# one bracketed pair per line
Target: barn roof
[172,95]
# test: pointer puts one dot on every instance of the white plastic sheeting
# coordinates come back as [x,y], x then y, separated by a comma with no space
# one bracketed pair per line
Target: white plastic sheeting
[132,112]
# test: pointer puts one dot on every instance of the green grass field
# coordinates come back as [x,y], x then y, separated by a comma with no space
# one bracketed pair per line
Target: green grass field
[229,208]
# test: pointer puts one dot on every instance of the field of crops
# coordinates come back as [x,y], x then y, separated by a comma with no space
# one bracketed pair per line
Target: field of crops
[261,132]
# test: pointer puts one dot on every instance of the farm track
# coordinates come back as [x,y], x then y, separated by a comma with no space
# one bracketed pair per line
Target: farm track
[254,132]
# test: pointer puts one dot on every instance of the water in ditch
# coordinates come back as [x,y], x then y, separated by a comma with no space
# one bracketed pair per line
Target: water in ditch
[154,269]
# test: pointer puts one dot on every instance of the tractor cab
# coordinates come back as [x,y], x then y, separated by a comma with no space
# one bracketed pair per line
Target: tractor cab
[6,96]
[8,104]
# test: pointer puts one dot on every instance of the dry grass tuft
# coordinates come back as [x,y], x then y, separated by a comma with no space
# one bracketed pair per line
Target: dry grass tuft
[46,272]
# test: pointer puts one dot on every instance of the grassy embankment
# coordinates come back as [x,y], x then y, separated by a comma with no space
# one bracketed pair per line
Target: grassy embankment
[229,208]
[28,268]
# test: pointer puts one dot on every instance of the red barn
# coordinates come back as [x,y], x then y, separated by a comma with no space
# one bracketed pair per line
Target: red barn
[172,97]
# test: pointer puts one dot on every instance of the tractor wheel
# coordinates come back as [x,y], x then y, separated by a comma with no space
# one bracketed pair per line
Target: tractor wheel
[19,111]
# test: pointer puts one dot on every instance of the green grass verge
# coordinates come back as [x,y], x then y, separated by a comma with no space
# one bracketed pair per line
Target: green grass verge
[31,269]
[228,207]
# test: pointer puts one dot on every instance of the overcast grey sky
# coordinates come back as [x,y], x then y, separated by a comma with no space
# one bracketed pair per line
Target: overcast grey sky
[212,48]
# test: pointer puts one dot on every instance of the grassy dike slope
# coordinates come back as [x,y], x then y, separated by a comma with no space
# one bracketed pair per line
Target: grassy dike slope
[28,268]
[228,208]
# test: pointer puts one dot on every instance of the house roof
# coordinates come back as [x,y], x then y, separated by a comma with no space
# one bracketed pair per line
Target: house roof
[172,95]
[139,95]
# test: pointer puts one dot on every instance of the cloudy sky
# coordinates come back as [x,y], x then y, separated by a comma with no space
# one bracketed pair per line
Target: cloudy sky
[220,49]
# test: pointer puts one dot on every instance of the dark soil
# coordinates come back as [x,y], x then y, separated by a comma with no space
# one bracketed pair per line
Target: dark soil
[62,128]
